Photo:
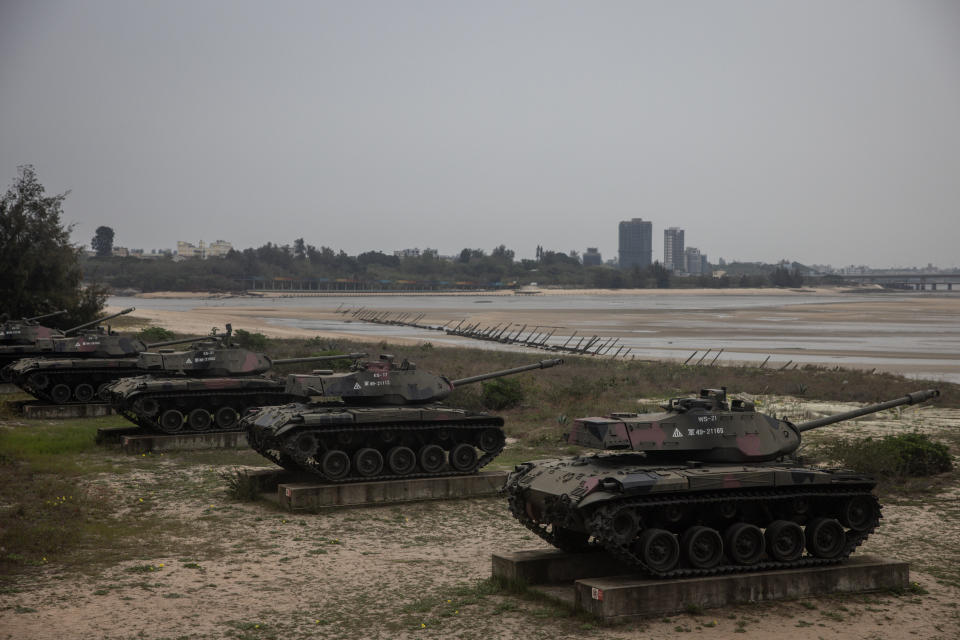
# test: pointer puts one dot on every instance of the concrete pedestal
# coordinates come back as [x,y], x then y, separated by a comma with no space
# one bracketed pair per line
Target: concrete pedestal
[114,435]
[312,496]
[183,442]
[62,411]
[576,579]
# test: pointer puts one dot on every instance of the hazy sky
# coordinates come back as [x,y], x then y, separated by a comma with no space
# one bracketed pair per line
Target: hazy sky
[819,131]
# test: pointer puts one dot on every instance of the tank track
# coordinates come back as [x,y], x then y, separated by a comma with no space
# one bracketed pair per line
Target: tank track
[73,378]
[285,460]
[150,423]
[604,538]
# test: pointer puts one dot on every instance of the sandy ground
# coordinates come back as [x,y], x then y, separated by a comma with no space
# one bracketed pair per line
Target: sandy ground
[777,331]
[248,570]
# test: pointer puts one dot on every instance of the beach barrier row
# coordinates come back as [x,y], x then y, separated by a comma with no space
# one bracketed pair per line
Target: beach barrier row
[537,337]
[511,333]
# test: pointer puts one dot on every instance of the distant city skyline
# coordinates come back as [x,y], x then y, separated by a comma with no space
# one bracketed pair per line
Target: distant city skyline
[811,131]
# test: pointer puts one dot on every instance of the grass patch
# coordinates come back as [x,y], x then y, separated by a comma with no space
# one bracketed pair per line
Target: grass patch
[902,455]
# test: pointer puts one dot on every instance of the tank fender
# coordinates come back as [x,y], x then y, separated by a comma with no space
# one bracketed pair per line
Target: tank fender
[595,498]
[318,419]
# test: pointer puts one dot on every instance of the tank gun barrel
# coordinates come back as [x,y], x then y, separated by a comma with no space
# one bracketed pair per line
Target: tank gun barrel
[99,320]
[319,358]
[167,343]
[543,364]
[45,316]
[913,398]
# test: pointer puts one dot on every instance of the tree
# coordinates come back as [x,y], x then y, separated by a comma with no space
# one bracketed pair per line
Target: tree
[103,242]
[41,269]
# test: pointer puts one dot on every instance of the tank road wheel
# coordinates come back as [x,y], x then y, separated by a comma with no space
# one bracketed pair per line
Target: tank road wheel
[226,417]
[306,445]
[825,537]
[102,392]
[743,543]
[147,406]
[703,547]
[784,540]
[463,457]
[199,419]
[490,440]
[6,374]
[60,393]
[40,380]
[401,460]
[368,462]
[84,392]
[625,526]
[431,458]
[659,549]
[858,513]
[335,464]
[171,421]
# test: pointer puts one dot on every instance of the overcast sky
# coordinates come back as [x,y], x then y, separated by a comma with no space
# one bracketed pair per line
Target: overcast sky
[818,131]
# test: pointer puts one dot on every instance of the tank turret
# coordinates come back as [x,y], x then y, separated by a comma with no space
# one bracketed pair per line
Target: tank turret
[27,330]
[384,382]
[51,343]
[706,487]
[378,421]
[98,320]
[710,429]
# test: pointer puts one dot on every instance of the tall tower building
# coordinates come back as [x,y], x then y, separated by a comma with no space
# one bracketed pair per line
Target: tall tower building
[636,243]
[673,249]
[694,261]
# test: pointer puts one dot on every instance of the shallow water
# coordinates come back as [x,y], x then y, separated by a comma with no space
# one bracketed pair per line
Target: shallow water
[928,348]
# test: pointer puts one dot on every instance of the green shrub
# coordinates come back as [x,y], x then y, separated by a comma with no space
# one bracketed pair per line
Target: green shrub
[502,393]
[252,341]
[910,454]
[156,334]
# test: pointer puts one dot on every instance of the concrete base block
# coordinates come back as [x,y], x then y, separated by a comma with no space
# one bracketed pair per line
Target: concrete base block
[114,435]
[620,597]
[183,442]
[6,387]
[60,411]
[554,566]
[311,496]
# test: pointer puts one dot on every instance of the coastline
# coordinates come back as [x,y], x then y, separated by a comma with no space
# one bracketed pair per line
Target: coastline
[919,335]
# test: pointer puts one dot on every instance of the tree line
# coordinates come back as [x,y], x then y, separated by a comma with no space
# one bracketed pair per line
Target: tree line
[327,268]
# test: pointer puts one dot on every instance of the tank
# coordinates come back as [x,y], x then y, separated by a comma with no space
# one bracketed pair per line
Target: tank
[50,343]
[705,487]
[381,420]
[26,330]
[206,387]
[81,369]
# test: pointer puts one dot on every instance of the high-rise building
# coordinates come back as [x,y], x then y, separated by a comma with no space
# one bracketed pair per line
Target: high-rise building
[592,257]
[695,261]
[673,258]
[636,243]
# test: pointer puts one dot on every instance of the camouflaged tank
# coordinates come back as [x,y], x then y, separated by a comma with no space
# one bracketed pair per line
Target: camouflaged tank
[50,343]
[705,487]
[381,420]
[27,330]
[83,367]
[206,387]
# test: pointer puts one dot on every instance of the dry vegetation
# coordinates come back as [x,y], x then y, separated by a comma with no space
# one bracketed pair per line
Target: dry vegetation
[96,544]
